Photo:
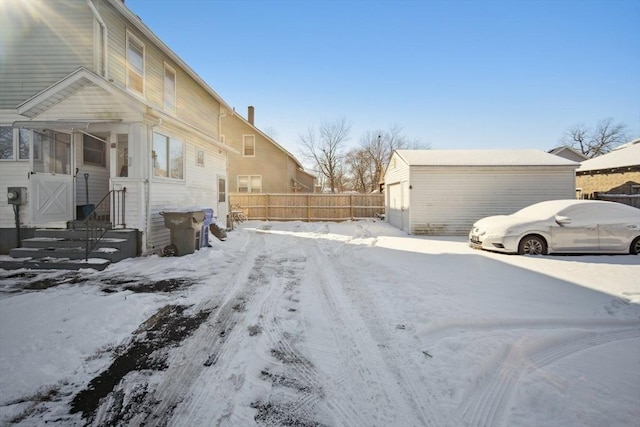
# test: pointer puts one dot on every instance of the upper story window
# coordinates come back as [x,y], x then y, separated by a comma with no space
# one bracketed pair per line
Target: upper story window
[169,89]
[135,64]
[168,157]
[14,143]
[249,145]
[93,151]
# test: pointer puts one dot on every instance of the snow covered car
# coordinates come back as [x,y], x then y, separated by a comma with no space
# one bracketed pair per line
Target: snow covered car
[561,226]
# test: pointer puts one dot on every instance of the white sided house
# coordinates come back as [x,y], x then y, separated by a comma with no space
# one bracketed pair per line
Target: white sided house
[443,192]
[95,106]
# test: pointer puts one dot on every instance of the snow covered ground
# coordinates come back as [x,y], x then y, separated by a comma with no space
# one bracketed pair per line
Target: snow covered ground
[337,324]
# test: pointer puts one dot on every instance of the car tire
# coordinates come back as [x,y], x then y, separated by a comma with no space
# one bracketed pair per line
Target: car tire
[532,245]
[634,249]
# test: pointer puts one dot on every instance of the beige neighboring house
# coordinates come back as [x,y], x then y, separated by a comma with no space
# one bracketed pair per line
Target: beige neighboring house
[569,154]
[617,172]
[98,93]
[258,164]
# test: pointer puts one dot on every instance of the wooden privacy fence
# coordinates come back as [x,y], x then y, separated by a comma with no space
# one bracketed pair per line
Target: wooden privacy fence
[308,206]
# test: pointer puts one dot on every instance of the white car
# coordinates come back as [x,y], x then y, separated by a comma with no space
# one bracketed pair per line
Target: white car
[561,226]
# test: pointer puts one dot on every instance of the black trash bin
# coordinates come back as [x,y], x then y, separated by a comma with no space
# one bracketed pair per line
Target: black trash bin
[185,229]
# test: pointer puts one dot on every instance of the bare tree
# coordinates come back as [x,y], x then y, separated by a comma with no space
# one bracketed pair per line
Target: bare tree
[358,163]
[325,149]
[374,154]
[601,140]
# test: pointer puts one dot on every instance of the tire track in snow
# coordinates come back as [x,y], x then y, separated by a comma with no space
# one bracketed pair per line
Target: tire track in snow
[270,298]
[186,363]
[486,405]
[288,370]
[367,375]
[404,369]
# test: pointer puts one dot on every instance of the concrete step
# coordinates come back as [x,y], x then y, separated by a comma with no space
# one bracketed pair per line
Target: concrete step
[65,249]
[54,264]
[111,254]
[60,242]
[82,234]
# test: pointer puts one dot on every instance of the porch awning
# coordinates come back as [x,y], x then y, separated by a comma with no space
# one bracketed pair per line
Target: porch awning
[80,125]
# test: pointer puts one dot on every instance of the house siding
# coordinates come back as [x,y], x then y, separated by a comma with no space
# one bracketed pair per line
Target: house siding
[199,189]
[44,50]
[607,182]
[12,174]
[194,105]
[447,201]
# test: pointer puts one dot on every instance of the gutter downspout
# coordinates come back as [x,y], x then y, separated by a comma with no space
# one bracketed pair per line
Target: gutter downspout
[105,39]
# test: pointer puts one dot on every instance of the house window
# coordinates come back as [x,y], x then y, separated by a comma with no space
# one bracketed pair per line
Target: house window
[14,142]
[249,184]
[168,157]
[93,151]
[222,190]
[24,138]
[135,65]
[6,143]
[169,89]
[249,145]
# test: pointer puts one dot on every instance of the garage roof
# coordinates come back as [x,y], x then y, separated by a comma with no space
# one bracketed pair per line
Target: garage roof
[482,158]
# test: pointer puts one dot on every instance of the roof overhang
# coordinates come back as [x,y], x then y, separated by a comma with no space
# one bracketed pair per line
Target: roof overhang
[80,125]
[66,87]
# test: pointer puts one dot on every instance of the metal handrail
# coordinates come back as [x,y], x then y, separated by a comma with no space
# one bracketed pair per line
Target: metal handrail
[99,220]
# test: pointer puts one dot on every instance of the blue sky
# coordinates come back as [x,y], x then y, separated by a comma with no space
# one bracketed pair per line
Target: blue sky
[452,74]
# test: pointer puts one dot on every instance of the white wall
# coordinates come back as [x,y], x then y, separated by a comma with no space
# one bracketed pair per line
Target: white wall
[448,200]
[396,174]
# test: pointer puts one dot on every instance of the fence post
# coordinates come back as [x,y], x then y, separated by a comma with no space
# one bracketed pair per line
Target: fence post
[308,208]
[266,208]
[351,206]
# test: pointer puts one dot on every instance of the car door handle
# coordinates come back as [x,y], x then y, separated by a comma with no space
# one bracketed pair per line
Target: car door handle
[632,227]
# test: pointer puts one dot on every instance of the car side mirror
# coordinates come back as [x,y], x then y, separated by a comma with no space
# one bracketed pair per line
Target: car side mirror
[563,220]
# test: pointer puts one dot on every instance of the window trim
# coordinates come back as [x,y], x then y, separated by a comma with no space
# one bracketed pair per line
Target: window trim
[249,187]
[103,153]
[174,95]
[15,144]
[244,145]
[130,38]
[168,139]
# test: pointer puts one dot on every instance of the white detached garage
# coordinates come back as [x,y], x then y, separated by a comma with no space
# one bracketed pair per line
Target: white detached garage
[443,192]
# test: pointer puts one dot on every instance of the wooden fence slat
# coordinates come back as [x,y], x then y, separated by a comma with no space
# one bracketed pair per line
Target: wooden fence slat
[308,207]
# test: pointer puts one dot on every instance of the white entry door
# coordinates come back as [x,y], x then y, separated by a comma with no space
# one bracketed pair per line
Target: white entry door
[51,179]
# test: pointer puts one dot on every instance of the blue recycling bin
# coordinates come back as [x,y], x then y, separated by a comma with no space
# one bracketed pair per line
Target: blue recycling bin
[204,233]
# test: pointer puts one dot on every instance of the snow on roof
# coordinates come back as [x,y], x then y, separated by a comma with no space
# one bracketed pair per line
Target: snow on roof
[559,151]
[623,156]
[482,158]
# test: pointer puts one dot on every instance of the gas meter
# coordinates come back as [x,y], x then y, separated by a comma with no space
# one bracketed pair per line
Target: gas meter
[16,195]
